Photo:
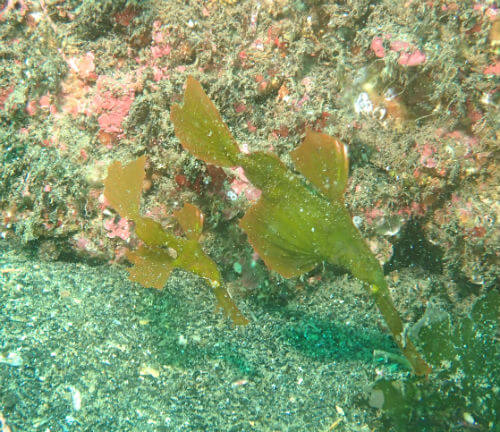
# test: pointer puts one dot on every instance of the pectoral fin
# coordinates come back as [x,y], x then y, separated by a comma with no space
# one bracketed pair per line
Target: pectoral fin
[264,226]
[323,160]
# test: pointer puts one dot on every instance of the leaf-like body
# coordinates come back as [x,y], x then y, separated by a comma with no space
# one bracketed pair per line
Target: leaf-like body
[153,234]
[193,259]
[293,227]
[281,250]
[226,303]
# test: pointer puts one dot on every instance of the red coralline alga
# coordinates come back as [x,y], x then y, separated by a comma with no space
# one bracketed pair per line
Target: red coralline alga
[120,229]
[83,66]
[18,6]
[112,96]
[112,105]
[373,213]
[44,103]
[426,158]
[492,69]
[409,55]
[31,108]
[4,94]
[74,96]
[160,48]
[125,16]
[241,185]
[251,127]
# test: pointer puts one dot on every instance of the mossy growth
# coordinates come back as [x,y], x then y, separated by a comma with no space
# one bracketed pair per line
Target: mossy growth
[162,251]
[299,221]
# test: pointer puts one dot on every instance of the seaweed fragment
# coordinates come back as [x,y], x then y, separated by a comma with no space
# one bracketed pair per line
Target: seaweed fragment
[162,250]
[299,221]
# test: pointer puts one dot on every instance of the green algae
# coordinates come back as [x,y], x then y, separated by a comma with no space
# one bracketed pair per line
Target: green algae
[465,386]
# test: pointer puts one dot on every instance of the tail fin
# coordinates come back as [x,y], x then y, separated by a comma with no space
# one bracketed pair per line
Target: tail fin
[200,128]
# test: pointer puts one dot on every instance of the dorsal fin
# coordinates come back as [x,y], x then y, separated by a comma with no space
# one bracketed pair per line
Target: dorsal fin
[200,128]
[123,187]
[322,159]
[190,218]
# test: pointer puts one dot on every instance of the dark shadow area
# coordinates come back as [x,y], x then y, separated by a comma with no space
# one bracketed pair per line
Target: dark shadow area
[411,248]
[59,250]
[323,339]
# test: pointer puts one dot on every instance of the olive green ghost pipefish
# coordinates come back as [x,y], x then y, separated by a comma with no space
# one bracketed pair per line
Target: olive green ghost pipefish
[295,225]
